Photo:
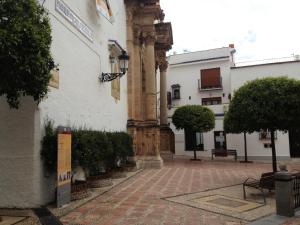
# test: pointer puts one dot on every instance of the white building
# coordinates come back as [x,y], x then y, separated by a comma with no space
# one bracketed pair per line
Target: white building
[84,40]
[209,78]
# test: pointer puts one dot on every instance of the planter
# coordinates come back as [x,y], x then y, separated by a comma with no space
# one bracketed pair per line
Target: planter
[130,167]
[119,172]
[103,180]
[79,190]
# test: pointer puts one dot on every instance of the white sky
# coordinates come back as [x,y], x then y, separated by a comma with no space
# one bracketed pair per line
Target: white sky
[260,29]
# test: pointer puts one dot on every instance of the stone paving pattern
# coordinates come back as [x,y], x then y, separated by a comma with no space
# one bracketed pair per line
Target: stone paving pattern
[251,209]
[138,201]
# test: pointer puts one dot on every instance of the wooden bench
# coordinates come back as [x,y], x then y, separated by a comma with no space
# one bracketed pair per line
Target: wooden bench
[223,153]
[266,181]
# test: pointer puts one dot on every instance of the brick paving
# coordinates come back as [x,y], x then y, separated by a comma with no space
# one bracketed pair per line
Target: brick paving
[138,201]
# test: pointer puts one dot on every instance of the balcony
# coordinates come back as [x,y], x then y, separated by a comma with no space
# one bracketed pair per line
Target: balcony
[209,88]
[217,109]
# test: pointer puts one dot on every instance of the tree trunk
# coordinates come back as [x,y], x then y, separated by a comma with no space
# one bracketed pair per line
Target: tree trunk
[195,154]
[274,162]
[245,145]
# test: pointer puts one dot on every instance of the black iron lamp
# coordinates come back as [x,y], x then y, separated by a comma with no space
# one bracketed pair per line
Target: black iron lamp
[123,64]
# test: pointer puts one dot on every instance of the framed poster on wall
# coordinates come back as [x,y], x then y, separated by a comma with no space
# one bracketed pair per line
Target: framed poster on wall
[104,9]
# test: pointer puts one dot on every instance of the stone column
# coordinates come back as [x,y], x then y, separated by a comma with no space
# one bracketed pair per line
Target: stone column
[130,73]
[149,38]
[163,94]
[137,78]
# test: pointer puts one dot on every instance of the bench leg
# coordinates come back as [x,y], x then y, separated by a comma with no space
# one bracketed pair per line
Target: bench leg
[264,196]
[244,191]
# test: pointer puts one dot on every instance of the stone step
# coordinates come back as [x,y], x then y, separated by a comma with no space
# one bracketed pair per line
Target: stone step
[166,155]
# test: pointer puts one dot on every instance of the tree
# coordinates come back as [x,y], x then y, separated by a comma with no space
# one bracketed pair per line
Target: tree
[231,127]
[265,104]
[195,118]
[25,59]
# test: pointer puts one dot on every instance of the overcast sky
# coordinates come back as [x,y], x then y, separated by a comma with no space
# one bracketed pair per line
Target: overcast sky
[260,29]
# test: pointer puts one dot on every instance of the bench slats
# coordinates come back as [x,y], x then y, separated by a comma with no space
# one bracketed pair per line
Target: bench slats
[223,153]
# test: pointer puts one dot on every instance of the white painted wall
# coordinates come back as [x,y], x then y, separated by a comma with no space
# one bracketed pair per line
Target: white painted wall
[80,101]
[22,182]
[239,75]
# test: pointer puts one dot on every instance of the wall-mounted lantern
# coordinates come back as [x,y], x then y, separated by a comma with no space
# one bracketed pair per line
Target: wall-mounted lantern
[123,65]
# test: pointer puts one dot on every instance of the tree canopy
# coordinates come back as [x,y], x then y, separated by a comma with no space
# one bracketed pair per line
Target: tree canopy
[271,103]
[25,59]
[194,117]
[267,103]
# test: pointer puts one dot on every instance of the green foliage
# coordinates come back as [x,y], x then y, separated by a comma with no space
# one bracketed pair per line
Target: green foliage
[194,117]
[268,103]
[49,147]
[25,59]
[92,150]
[122,147]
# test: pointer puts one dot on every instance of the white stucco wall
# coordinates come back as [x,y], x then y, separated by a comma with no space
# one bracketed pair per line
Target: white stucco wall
[80,101]
[239,75]
[22,182]
[255,147]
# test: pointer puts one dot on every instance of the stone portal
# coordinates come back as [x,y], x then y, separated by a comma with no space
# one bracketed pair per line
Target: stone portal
[143,123]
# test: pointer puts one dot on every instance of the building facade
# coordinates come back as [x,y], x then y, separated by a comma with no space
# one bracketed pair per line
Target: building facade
[210,78]
[88,37]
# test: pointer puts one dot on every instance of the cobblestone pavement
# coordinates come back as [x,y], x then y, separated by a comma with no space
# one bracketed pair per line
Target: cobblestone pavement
[138,200]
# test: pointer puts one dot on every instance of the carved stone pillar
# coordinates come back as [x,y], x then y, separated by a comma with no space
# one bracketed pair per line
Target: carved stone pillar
[163,44]
[167,147]
[137,78]
[150,87]
[131,63]
[163,93]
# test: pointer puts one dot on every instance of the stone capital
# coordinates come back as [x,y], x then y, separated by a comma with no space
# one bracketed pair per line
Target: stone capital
[163,66]
[160,56]
[149,37]
[137,34]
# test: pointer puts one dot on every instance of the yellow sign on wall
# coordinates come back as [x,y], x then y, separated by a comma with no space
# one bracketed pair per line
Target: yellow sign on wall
[103,7]
[64,159]
[54,80]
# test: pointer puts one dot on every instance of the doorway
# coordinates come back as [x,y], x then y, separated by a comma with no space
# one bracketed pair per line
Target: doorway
[193,140]
[220,140]
[294,136]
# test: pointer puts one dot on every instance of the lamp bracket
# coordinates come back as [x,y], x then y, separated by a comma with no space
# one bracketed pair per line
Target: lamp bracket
[106,77]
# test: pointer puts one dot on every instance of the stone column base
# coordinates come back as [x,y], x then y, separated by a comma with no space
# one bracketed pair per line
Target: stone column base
[153,162]
[146,144]
[167,142]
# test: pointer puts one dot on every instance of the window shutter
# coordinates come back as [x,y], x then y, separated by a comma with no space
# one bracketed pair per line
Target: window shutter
[212,101]
[210,78]
[169,98]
